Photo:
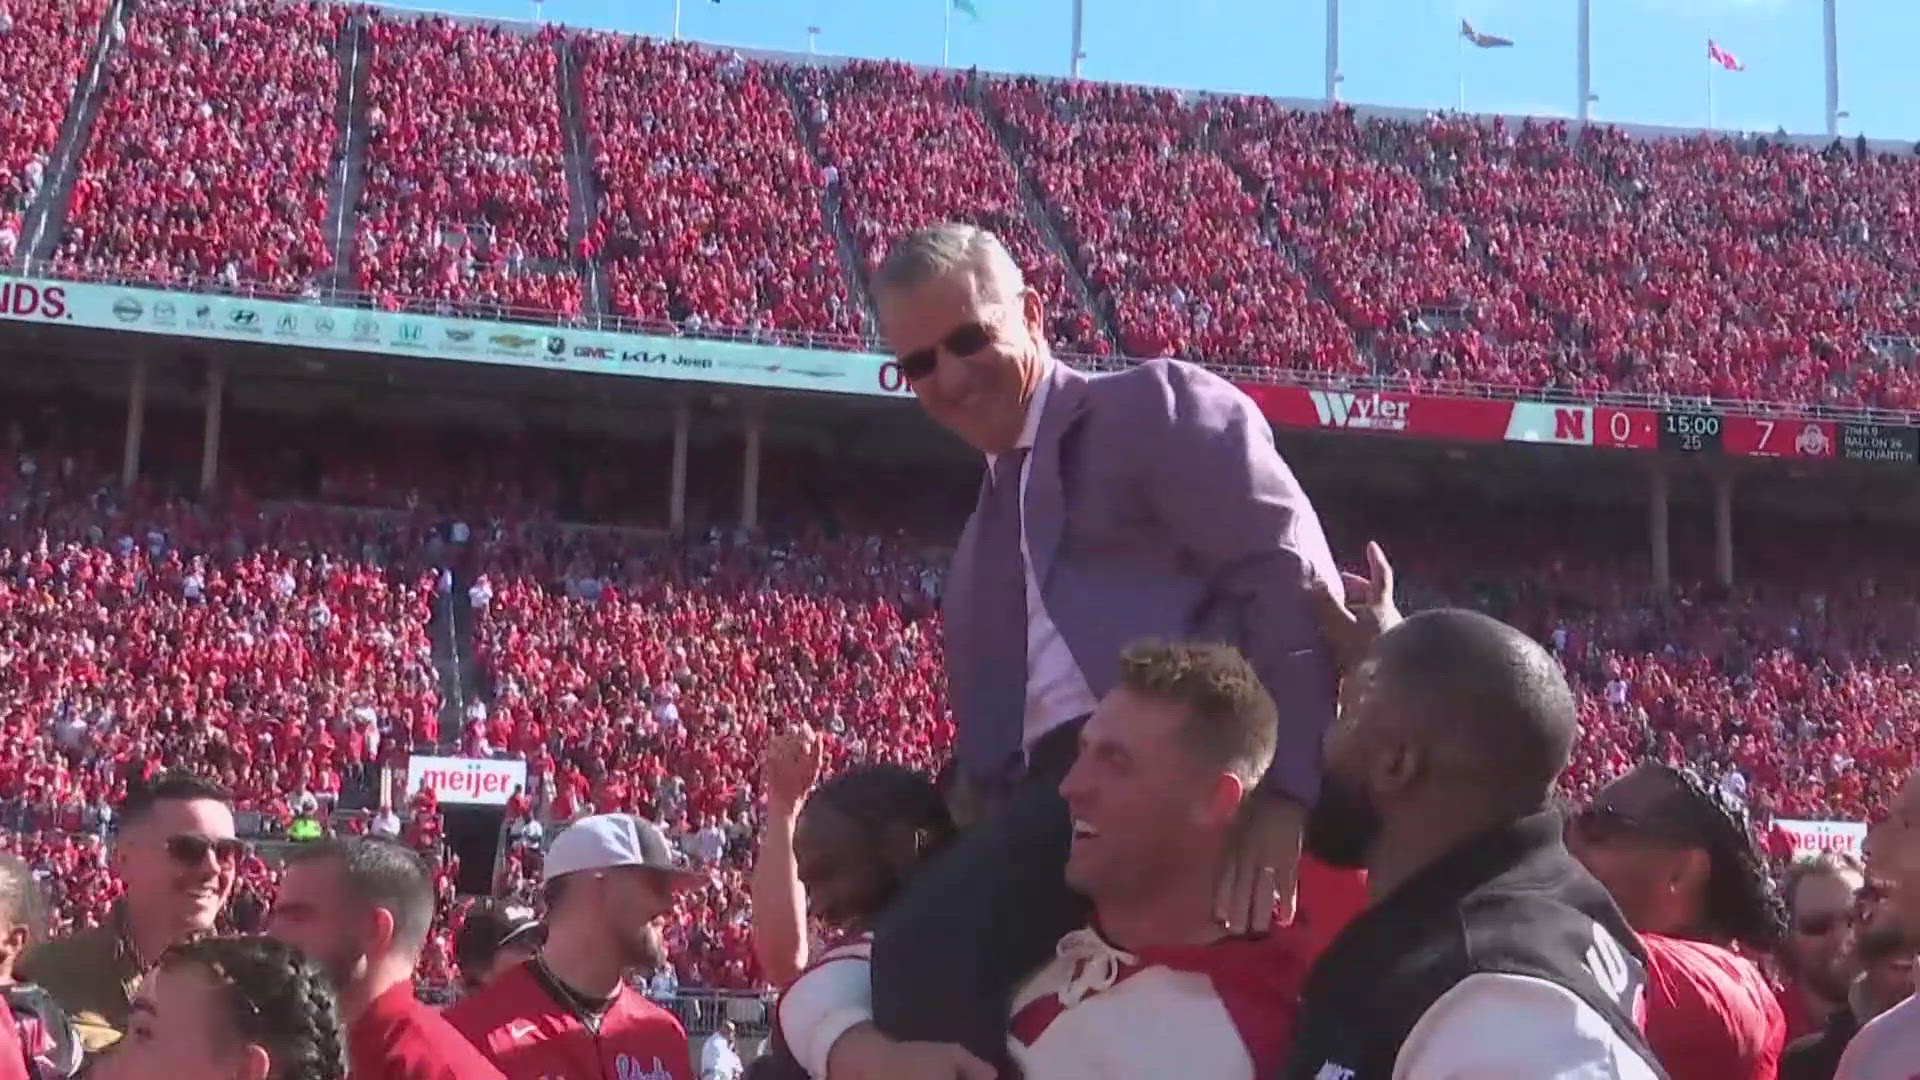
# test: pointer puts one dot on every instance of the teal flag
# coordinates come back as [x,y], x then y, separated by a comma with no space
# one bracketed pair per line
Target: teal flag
[967,6]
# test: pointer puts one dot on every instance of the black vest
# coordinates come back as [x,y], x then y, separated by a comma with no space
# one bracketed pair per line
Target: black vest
[1510,901]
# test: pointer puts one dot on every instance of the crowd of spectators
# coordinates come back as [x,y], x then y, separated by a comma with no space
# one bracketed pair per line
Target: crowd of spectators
[878,122]
[1158,221]
[1232,230]
[711,211]
[43,54]
[465,199]
[210,154]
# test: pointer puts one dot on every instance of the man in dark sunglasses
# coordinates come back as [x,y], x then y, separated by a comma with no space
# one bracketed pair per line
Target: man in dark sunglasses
[1680,858]
[1818,957]
[1146,503]
[177,856]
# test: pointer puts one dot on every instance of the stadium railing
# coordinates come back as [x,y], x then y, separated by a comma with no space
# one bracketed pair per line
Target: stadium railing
[1268,376]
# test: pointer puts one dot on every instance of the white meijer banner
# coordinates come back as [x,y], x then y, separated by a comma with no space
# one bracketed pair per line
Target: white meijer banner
[487,781]
[1813,837]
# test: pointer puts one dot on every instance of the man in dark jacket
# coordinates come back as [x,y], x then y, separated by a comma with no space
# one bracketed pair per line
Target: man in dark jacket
[1487,950]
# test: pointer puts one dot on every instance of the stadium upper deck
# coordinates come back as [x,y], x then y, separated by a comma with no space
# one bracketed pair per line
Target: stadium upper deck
[566,175]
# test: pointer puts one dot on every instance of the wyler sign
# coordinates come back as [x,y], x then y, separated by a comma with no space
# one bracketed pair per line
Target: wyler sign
[482,781]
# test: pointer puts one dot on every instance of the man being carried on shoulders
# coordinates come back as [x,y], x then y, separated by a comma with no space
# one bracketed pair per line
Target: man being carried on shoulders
[1154,986]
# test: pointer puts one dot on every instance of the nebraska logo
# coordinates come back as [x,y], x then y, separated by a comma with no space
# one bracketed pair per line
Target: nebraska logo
[26,301]
[1360,412]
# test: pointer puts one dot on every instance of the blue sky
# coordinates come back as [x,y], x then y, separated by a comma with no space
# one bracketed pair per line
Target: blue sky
[1649,56]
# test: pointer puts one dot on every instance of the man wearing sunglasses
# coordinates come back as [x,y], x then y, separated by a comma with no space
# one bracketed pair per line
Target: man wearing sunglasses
[177,856]
[1818,956]
[1680,858]
[1889,1047]
[1149,503]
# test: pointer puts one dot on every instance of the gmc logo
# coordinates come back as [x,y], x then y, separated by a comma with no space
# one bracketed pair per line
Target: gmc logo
[593,352]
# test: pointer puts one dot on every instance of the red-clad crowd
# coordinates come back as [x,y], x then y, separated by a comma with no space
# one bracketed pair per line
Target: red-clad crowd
[1229,230]
[711,208]
[209,158]
[652,688]
[465,198]
[43,54]
[1160,224]
[877,122]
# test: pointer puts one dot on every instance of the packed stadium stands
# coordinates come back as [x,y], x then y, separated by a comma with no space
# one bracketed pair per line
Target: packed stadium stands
[210,154]
[716,193]
[465,204]
[43,54]
[282,645]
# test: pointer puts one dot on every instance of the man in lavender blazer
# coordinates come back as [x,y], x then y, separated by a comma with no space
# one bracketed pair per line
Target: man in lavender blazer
[1149,503]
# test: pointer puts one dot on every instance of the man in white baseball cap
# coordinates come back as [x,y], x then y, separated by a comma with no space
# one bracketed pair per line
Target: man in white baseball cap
[569,1011]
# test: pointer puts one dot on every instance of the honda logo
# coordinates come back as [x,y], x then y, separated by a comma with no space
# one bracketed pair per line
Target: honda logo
[1361,412]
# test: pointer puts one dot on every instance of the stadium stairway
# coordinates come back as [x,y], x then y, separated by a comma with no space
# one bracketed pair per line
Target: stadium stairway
[46,219]
[830,207]
[450,632]
[1101,306]
[1302,263]
[350,157]
[583,204]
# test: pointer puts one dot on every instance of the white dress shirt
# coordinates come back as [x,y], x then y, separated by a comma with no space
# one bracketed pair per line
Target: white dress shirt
[1056,690]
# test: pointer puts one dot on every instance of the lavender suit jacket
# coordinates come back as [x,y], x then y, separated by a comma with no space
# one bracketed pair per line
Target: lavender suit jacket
[1158,506]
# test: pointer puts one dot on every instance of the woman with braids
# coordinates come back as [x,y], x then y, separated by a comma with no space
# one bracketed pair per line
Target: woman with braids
[840,855]
[231,1008]
[1681,861]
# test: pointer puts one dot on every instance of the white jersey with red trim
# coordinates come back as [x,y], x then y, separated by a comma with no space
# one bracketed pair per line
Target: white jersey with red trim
[1222,1011]
[834,993]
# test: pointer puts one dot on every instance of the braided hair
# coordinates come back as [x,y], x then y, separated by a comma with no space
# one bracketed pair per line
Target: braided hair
[877,797]
[880,800]
[276,999]
[1742,903]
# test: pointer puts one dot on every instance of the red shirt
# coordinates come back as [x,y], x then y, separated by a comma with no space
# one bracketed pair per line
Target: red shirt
[398,1038]
[530,1032]
[1710,1012]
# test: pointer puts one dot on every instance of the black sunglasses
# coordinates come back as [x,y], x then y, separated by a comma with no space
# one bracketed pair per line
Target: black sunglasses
[963,340]
[1824,923]
[191,849]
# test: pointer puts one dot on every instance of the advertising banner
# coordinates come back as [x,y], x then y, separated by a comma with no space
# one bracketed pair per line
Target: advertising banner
[1813,837]
[283,322]
[482,781]
[773,367]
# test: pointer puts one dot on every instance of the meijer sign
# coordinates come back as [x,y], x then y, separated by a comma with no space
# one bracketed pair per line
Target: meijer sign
[466,780]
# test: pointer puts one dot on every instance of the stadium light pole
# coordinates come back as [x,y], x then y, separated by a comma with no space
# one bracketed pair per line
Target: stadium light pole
[676,20]
[1831,20]
[1584,63]
[813,40]
[1333,51]
[1079,17]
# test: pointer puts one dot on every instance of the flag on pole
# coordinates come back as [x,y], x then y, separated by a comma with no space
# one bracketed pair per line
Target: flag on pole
[1485,41]
[966,7]
[1724,58]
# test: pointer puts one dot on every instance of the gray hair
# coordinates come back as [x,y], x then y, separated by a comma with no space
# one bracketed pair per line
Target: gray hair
[935,251]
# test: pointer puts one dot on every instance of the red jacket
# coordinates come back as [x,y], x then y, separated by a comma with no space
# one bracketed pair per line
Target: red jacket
[1710,1012]
[530,1032]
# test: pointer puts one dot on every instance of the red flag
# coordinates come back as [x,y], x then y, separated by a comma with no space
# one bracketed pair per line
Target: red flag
[1724,58]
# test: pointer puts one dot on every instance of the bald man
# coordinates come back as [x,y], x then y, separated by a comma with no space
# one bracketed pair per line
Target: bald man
[1889,1047]
[1486,950]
